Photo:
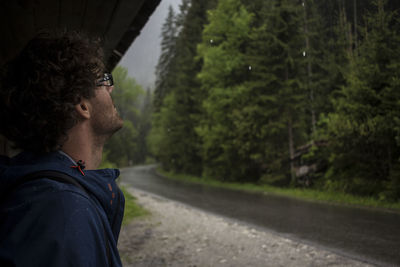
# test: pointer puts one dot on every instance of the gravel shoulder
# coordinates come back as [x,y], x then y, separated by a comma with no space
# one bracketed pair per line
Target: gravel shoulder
[178,235]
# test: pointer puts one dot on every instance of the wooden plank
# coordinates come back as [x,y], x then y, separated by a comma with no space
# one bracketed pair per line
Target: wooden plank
[47,13]
[118,22]
[72,13]
[96,18]
[17,26]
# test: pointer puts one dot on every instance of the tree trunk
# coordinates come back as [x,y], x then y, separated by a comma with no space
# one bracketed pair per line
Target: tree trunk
[355,24]
[291,150]
[290,136]
[309,73]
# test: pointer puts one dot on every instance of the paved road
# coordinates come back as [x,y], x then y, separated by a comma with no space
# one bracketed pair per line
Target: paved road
[364,234]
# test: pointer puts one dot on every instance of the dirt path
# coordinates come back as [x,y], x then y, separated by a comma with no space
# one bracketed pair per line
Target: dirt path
[178,235]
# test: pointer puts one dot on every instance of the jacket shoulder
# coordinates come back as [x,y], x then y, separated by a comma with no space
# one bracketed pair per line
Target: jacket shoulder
[59,227]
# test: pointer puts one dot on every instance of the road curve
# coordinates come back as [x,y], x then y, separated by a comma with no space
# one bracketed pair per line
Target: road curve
[364,234]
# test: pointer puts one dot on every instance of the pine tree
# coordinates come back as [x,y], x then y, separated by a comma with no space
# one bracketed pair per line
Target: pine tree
[364,128]
[221,76]
[255,106]
[144,128]
[175,124]
[278,76]
[165,67]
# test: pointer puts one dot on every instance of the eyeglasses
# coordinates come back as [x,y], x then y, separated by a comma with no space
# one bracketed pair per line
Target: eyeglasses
[107,80]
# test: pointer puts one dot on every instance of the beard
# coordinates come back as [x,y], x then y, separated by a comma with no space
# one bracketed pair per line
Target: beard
[106,121]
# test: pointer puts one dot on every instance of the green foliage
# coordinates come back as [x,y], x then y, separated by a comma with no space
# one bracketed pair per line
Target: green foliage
[165,139]
[165,67]
[299,193]
[243,84]
[173,138]
[144,126]
[105,163]
[132,209]
[122,147]
[126,94]
[365,154]
[251,77]
[223,71]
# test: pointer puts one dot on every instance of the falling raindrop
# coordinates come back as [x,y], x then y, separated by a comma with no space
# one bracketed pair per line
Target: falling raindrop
[304,53]
[249,67]
[303,3]
[211,41]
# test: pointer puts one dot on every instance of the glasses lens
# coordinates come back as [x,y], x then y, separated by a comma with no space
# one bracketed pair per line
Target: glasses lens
[107,80]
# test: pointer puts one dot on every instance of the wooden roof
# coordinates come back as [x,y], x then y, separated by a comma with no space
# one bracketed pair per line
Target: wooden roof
[117,22]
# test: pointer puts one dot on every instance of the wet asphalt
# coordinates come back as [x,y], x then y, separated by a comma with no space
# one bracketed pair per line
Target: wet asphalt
[368,235]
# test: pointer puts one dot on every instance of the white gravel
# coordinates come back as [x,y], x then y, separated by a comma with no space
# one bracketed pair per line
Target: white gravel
[179,235]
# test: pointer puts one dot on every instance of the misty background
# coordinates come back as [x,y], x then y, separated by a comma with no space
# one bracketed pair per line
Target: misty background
[142,56]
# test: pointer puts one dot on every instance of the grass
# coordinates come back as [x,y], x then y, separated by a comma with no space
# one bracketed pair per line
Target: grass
[299,193]
[132,209]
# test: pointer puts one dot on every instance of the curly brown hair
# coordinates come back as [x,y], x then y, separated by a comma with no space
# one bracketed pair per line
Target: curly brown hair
[41,86]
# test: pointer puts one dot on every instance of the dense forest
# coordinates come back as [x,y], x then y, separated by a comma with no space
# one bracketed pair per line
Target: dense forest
[281,92]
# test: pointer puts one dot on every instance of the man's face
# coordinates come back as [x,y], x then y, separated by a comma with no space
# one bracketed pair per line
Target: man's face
[105,118]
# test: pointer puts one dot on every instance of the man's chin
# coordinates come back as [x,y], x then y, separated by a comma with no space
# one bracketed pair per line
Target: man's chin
[121,122]
[115,129]
[118,125]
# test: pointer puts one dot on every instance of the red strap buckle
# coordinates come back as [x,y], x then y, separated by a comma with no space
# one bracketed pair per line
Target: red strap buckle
[80,166]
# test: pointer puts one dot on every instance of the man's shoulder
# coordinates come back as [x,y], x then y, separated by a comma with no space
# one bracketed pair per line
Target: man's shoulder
[60,209]
[17,173]
[56,217]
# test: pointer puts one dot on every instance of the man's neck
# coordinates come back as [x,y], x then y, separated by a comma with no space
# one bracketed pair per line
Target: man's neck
[92,159]
[81,145]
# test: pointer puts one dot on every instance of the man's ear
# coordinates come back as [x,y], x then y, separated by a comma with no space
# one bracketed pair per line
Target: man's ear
[83,109]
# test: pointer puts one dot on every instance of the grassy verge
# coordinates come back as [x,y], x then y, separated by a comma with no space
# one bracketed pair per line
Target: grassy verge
[132,209]
[300,193]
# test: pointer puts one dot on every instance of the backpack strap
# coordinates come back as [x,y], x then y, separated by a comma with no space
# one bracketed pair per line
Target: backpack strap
[52,175]
[62,178]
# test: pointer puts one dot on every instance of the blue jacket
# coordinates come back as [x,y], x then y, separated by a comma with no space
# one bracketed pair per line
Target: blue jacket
[49,223]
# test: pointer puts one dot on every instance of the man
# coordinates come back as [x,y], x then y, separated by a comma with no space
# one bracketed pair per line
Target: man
[56,106]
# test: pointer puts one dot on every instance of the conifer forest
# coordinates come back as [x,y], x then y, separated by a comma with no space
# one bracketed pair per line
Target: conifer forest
[290,93]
